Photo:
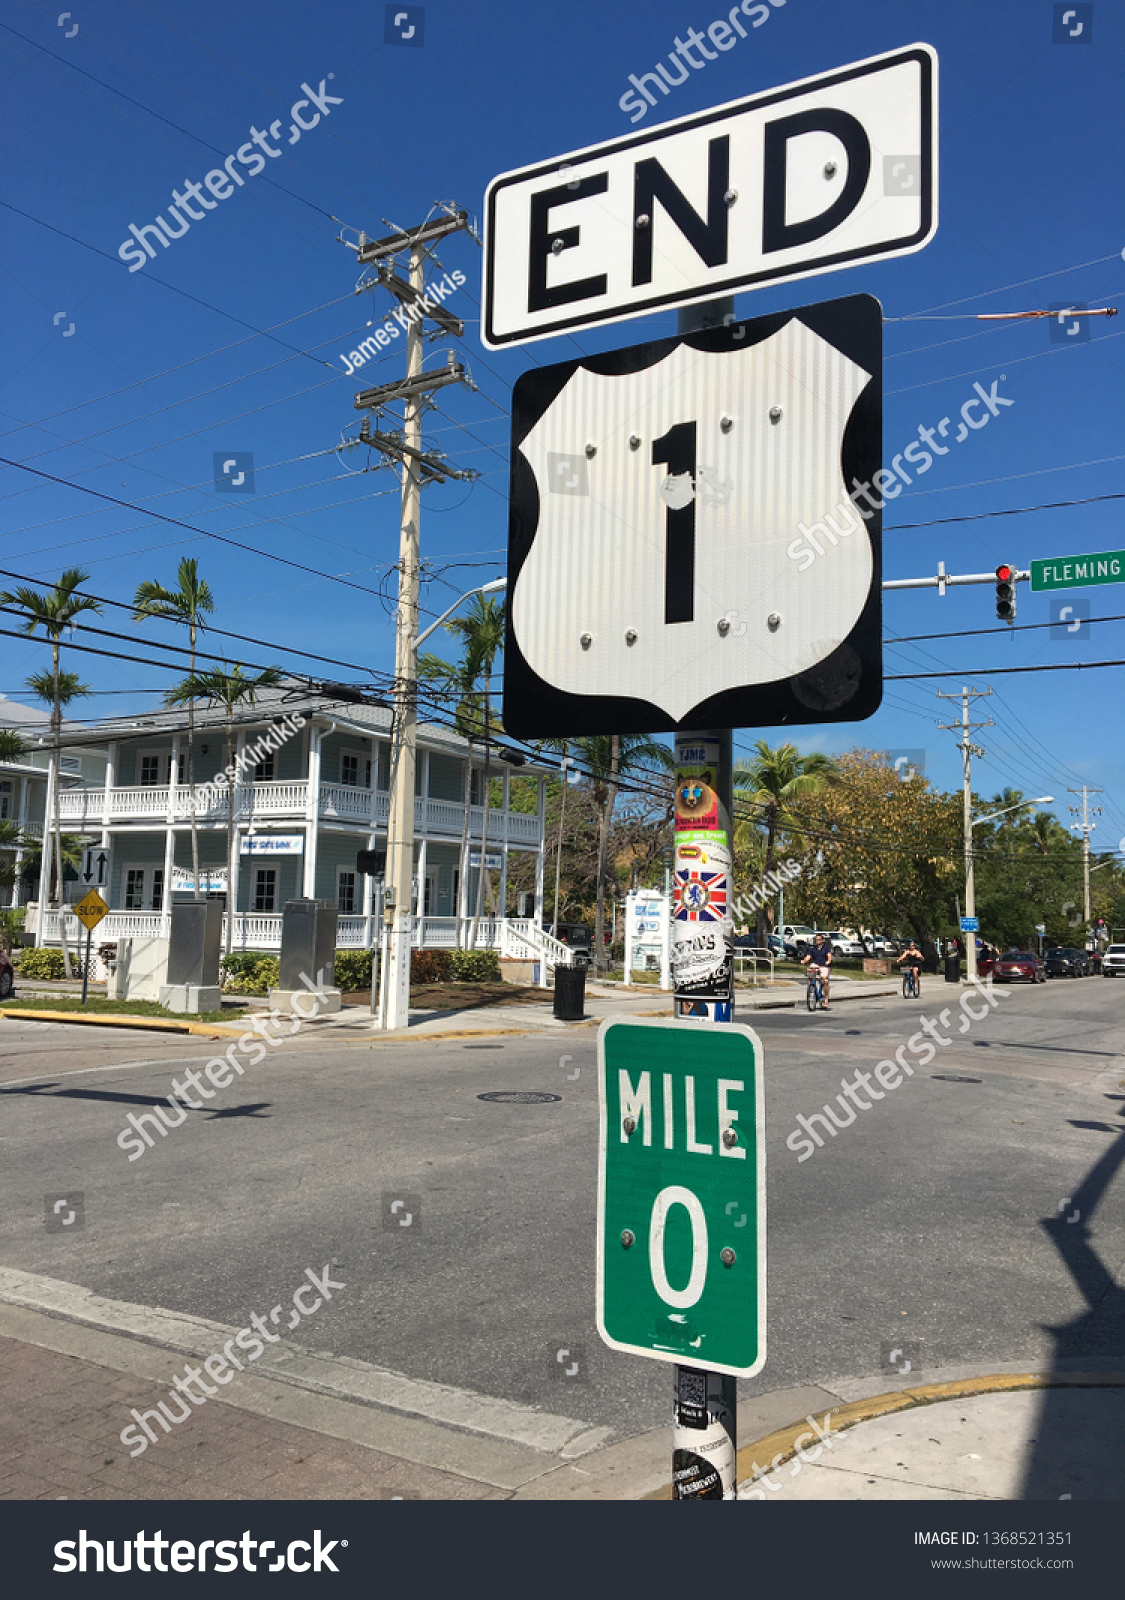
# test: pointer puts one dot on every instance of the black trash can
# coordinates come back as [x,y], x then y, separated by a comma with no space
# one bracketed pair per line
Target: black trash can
[570,993]
[953,969]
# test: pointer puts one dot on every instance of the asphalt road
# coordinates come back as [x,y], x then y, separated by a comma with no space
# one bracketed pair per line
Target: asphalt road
[922,1225]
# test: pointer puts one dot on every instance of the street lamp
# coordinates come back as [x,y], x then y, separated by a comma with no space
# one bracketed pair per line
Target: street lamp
[484,588]
[970,885]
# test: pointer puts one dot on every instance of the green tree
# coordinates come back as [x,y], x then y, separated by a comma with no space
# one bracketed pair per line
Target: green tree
[12,747]
[54,612]
[775,782]
[608,760]
[468,683]
[230,691]
[187,605]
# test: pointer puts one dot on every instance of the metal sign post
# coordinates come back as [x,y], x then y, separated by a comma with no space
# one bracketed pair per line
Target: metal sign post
[90,910]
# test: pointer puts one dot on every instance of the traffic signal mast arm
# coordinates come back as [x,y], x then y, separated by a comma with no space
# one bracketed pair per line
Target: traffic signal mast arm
[943,578]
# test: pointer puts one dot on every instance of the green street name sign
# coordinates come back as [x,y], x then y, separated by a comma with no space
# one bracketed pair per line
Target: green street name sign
[1078,572]
[682,1193]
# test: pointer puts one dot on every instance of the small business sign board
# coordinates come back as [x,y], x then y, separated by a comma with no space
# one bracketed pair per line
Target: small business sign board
[694,540]
[272,844]
[818,175]
[681,1194]
[493,861]
[970,924]
[1078,572]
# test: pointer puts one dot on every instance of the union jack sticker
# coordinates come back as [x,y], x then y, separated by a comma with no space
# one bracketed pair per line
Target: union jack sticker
[700,896]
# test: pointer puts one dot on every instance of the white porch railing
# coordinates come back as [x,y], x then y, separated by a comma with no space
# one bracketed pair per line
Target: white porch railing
[338,802]
[257,930]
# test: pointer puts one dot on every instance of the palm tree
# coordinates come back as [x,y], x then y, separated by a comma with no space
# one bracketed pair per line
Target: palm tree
[771,781]
[232,689]
[187,605]
[12,747]
[607,759]
[481,631]
[54,611]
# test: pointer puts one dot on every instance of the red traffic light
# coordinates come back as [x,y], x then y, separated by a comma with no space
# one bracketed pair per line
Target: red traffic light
[1005,574]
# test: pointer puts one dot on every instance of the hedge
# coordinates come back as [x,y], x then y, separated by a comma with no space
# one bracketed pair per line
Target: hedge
[44,964]
[430,966]
[259,978]
[475,966]
[353,969]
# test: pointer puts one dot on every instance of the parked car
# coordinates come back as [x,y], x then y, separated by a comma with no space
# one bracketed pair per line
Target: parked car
[1067,962]
[876,944]
[1113,961]
[776,945]
[7,975]
[796,939]
[845,944]
[1020,966]
[578,937]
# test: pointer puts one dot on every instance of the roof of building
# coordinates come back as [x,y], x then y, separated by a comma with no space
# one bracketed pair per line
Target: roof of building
[271,705]
[15,715]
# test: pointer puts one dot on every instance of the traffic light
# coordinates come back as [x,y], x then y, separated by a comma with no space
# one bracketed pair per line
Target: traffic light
[1006,593]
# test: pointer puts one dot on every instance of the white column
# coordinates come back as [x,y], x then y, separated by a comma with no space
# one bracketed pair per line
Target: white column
[368,899]
[422,853]
[169,834]
[45,850]
[312,813]
[541,813]
[110,783]
[21,816]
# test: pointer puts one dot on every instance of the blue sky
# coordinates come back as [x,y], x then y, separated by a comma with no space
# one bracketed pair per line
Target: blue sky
[104,124]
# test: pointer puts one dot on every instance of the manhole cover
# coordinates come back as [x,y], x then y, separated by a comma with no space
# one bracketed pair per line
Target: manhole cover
[484,1047]
[519,1097]
[947,1077]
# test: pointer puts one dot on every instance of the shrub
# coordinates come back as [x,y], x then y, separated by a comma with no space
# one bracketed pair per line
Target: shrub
[431,966]
[260,978]
[42,964]
[240,962]
[475,966]
[353,969]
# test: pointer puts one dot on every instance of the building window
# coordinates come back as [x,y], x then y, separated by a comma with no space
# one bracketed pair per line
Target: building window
[134,889]
[150,771]
[345,893]
[157,899]
[265,888]
[263,772]
[349,770]
[5,800]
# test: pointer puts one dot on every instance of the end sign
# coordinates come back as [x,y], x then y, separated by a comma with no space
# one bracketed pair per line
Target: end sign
[681,1194]
[817,175]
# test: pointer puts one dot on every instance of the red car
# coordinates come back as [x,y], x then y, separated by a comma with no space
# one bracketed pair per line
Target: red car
[1016,965]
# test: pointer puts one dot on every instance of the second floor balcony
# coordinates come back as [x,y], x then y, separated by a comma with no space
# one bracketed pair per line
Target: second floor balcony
[286,801]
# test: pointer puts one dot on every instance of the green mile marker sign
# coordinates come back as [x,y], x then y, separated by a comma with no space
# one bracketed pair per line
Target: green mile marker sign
[682,1193]
[1078,572]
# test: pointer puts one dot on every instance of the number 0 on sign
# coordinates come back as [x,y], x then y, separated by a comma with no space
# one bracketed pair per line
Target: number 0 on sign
[681,1194]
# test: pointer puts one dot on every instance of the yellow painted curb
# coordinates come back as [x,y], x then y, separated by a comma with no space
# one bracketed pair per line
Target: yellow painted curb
[776,1448]
[112,1020]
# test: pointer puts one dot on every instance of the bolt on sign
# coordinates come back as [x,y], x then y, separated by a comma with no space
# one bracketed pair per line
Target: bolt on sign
[656,495]
[804,179]
[681,1194]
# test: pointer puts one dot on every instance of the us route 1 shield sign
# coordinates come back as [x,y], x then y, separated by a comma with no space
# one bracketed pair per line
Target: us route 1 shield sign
[804,179]
[695,530]
[681,1194]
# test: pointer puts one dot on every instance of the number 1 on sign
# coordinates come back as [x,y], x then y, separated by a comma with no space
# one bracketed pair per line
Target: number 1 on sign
[676,450]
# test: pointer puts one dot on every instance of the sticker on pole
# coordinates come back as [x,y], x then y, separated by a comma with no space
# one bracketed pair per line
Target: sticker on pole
[681,1194]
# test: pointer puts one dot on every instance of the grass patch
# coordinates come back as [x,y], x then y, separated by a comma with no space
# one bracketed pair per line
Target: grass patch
[122,1008]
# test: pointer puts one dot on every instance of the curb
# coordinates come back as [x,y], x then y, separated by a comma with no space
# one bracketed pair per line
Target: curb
[781,1446]
[104,1020]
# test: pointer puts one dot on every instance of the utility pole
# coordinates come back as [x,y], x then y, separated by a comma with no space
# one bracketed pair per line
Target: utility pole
[558,852]
[1085,828]
[418,467]
[968,750]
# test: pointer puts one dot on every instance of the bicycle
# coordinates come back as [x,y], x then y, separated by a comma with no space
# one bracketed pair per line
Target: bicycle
[814,994]
[911,984]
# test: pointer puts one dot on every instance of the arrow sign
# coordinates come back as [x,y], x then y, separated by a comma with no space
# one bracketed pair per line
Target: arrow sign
[95,866]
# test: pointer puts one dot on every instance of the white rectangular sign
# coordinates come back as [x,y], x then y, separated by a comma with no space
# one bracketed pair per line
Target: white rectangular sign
[492,862]
[273,844]
[797,181]
[94,873]
[211,880]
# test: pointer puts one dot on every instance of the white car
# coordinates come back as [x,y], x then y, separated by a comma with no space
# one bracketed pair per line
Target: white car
[1113,961]
[845,944]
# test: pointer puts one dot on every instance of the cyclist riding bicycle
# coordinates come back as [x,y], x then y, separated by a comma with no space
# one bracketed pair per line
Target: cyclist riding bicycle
[819,960]
[913,959]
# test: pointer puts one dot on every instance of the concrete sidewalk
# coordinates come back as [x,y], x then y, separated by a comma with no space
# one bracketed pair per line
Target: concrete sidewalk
[304,1424]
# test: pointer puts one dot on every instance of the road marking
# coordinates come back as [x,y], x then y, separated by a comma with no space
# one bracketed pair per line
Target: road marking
[339,1376]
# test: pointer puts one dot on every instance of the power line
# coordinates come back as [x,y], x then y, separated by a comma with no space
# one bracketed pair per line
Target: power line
[984,672]
[1014,511]
[974,633]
